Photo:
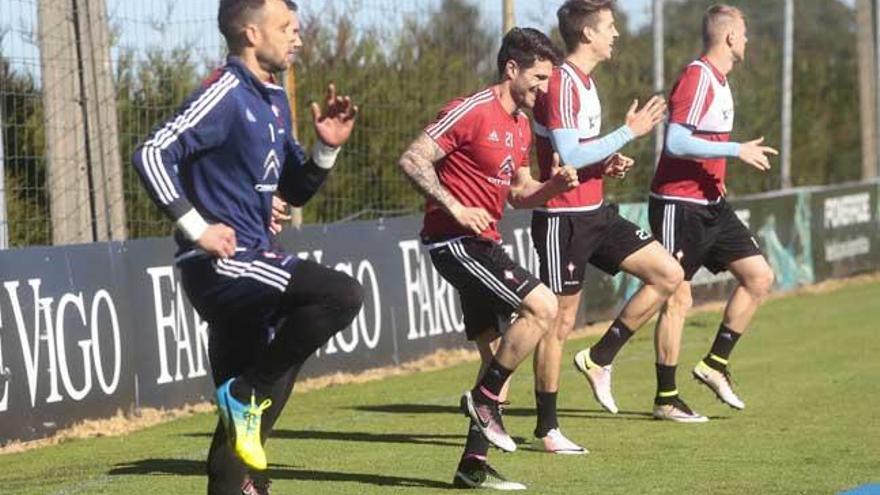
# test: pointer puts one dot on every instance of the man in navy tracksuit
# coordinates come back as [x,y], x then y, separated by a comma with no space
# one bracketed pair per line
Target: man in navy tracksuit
[214,168]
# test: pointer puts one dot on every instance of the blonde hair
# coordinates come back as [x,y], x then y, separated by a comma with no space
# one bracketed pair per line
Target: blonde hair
[716,21]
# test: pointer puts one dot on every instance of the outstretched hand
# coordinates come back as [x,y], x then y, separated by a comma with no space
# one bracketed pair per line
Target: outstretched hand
[641,121]
[755,154]
[334,122]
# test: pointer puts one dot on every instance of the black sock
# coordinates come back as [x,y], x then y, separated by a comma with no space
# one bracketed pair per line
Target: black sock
[226,472]
[608,346]
[280,395]
[546,405]
[477,447]
[491,384]
[725,340]
[666,389]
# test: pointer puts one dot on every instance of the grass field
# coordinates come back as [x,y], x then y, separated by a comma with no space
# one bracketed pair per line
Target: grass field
[809,372]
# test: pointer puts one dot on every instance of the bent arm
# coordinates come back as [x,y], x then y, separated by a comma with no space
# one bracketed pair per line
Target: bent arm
[303,177]
[200,125]
[579,155]
[681,142]
[526,192]
[417,163]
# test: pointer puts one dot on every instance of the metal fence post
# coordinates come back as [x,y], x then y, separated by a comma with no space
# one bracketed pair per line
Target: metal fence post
[659,74]
[4,223]
[787,58]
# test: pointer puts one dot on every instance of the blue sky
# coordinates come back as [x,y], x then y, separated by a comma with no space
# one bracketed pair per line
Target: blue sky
[168,23]
[141,21]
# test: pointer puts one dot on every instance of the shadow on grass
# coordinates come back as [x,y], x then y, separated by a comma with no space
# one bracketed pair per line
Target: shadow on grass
[184,467]
[508,411]
[445,440]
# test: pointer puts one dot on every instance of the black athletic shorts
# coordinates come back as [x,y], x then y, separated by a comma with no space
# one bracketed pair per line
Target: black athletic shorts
[489,283]
[566,242]
[240,299]
[248,286]
[701,235]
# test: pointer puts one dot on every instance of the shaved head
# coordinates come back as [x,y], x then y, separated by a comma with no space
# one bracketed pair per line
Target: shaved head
[718,22]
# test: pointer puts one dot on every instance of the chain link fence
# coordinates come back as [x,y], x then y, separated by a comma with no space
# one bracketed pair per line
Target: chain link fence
[398,60]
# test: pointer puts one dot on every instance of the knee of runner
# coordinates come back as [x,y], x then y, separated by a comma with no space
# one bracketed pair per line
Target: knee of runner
[543,307]
[348,295]
[564,324]
[759,286]
[680,301]
[354,297]
[671,277]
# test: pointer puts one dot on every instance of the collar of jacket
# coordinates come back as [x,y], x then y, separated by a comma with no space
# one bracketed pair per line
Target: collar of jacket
[237,65]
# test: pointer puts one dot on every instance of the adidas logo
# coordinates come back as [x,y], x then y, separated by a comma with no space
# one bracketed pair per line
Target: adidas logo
[493,138]
[250,115]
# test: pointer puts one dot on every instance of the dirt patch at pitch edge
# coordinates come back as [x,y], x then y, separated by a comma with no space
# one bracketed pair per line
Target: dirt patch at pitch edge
[120,424]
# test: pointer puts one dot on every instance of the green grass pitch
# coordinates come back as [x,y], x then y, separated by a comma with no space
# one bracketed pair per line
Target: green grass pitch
[809,371]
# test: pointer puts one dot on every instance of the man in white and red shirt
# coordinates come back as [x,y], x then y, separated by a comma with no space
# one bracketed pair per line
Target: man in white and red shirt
[468,163]
[578,227]
[689,215]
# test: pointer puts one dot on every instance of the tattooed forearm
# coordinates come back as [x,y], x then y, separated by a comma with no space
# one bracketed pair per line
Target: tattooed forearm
[418,165]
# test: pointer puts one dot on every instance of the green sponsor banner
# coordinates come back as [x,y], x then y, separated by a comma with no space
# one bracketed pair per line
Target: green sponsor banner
[845,231]
[781,226]
[808,235]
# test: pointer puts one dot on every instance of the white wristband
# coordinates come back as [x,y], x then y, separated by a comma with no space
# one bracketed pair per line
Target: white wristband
[324,156]
[192,225]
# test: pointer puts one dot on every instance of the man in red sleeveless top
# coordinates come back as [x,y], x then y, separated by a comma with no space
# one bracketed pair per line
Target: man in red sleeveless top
[689,215]
[578,227]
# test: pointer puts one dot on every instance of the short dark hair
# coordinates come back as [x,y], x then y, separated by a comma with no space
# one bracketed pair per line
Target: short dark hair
[525,46]
[575,15]
[234,14]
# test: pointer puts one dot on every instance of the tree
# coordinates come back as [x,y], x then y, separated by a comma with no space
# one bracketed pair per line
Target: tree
[399,84]
[25,172]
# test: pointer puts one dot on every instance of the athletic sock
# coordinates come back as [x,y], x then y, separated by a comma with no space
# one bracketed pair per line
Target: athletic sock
[725,340]
[545,402]
[477,447]
[666,389]
[489,387]
[609,345]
